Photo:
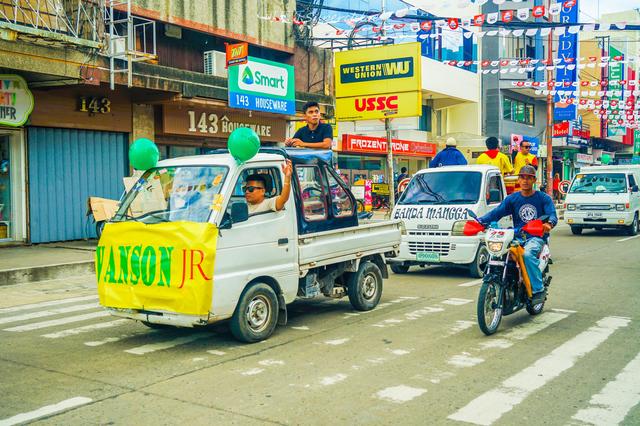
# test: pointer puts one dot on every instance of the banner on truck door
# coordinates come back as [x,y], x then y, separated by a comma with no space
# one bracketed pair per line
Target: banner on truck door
[158,267]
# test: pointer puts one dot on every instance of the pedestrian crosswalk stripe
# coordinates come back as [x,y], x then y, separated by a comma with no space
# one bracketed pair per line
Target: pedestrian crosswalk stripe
[153,347]
[490,406]
[536,324]
[611,405]
[53,323]
[46,411]
[86,328]
[48,313]
[45,304]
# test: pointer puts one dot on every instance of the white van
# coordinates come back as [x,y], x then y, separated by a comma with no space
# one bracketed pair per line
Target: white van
[434,211]
[604,197]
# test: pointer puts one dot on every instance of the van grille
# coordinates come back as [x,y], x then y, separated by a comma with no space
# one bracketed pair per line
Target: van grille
[596,206]
[430,233]
[418,247]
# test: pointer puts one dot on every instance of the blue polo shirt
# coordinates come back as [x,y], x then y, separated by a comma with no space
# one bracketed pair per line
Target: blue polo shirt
[318,135]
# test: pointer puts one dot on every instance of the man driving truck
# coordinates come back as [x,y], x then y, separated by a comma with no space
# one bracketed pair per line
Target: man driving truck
[255,187]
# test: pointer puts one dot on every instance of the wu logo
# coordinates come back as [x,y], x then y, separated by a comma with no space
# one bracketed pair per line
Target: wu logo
[247,76]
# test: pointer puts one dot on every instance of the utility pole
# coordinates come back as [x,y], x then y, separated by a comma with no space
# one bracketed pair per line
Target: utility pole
[387,128]
[549,165]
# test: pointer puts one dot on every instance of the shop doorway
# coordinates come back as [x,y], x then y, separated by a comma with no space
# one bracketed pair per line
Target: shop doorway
[11,186]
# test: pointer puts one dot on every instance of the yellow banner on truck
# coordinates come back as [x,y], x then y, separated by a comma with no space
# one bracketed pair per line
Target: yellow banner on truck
[406,104]
[157,267]
[375,70]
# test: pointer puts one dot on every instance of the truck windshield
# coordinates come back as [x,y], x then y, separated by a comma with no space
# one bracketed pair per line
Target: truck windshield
[443,188]
[599,182]
[170,194]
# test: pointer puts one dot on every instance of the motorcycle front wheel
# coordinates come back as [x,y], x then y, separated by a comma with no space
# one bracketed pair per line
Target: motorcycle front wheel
[489,307]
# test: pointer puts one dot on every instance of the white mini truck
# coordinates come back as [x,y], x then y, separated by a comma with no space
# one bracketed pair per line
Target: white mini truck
[263,262]
[604,197]
[434,211]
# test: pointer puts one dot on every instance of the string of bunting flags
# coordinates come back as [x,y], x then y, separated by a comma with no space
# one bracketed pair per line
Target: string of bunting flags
[528,65]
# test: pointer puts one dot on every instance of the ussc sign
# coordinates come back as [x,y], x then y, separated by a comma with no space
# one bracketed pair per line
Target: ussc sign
[378,82]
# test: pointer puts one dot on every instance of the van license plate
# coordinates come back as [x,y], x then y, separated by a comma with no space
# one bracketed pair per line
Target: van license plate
[428,256]
[594,214]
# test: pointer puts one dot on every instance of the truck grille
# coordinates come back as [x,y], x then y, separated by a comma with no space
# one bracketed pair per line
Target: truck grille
[429,233]
[442,248]
[596,206]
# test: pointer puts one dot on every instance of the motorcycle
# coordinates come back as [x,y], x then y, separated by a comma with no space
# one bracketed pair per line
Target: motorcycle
[506,287]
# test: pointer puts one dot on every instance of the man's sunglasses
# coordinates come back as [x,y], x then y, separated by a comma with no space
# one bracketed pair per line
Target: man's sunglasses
[525,146]
[251,188]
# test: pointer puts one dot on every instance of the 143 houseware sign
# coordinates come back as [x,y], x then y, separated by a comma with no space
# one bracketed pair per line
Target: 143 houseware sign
[219,123]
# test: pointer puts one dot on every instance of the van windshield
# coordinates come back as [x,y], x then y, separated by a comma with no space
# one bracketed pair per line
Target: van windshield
[443,188]
[170,194]
[599,183]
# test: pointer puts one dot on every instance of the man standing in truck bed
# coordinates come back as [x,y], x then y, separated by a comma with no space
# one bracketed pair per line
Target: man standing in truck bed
[315,135]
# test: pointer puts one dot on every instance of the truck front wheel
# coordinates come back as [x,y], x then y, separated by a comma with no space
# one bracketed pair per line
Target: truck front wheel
[365,287]
[256,315]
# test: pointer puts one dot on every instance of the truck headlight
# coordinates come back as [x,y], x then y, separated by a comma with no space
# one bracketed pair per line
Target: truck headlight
[495,246]
[620,207]
[403,229]
[571,206]
[458,228]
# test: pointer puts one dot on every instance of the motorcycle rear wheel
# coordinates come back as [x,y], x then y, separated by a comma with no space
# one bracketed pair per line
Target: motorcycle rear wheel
[489,310]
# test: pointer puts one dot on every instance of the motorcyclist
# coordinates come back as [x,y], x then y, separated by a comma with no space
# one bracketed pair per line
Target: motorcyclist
[525,206]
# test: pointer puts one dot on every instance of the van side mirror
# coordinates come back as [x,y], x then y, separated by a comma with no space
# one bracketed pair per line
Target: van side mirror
[634,188]
[239,213]
[494,196]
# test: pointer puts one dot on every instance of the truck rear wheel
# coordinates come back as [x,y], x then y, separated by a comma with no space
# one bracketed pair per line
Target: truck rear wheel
[256,315]
[365,287]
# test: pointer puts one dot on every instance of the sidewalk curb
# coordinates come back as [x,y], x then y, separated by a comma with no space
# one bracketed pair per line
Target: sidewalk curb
[47,272]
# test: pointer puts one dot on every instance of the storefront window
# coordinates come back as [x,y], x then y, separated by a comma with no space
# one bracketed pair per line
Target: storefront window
[5,188]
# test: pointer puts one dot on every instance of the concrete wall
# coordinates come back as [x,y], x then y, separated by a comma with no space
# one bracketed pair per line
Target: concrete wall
[508,127]
[234,19]
[464,118]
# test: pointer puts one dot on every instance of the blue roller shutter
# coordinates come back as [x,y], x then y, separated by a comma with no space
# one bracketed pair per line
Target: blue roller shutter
[66,166]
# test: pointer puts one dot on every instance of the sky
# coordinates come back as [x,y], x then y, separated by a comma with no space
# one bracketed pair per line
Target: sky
[589,8]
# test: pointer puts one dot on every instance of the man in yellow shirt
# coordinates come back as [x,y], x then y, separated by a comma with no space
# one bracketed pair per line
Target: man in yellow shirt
[524,157]
[494,157]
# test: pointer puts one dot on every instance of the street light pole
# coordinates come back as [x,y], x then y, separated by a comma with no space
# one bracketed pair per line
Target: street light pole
[387,128]
[549,165]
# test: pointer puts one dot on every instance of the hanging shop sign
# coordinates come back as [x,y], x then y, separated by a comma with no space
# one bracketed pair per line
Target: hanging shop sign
[262,85]
[218,123]
[561,129]
[16,100]
[378,82]
[567,48]
[374,145]
[584,158]
[616,74]
[237,54]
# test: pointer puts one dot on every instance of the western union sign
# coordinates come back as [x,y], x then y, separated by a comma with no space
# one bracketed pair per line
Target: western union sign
[378,70]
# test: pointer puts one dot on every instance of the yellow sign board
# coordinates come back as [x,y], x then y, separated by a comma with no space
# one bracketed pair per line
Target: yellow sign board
[159,267]
[380,188]
[376,70]
[372,107]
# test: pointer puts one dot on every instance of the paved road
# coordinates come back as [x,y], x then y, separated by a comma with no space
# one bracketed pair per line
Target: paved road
[419,358]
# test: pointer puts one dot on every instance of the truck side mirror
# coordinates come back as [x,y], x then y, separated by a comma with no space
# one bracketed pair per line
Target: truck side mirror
[494,196]
[239,213]
[634,188]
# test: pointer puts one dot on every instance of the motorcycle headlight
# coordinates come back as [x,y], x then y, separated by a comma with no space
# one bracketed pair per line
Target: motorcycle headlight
[495,246]
[620,207]
[571,206]
[458,228]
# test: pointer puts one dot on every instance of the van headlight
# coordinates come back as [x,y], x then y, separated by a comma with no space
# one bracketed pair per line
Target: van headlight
[620,207]
[495,246]
[403,229]
[458,228]
[571,206]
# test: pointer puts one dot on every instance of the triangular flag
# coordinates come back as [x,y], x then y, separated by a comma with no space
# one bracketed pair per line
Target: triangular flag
[538,11]
[507,16]
[523,14]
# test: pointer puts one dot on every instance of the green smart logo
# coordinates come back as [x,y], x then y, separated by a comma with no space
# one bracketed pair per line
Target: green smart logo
[247,76]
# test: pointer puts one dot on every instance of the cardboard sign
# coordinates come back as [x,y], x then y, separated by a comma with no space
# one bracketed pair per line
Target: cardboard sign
[159,267]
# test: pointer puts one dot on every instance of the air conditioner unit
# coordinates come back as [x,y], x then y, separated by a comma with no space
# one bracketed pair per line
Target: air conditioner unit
[214,63]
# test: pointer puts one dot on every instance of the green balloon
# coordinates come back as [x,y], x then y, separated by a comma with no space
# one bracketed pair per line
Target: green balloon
[605,159]
[243,144]
[143,154]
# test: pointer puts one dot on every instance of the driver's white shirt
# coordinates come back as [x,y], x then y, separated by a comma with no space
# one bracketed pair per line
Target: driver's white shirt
[266,205]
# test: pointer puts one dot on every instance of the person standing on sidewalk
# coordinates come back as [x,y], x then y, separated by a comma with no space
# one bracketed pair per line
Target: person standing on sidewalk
[449,156]
[556,188]
[494,157]
[524,157]
[315,135]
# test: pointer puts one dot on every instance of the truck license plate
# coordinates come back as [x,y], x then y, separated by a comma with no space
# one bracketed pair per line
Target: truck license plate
[594,214]
[428,256]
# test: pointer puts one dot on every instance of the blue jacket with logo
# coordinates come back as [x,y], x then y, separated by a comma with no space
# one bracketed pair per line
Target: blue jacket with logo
[450,156]
[523,209]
